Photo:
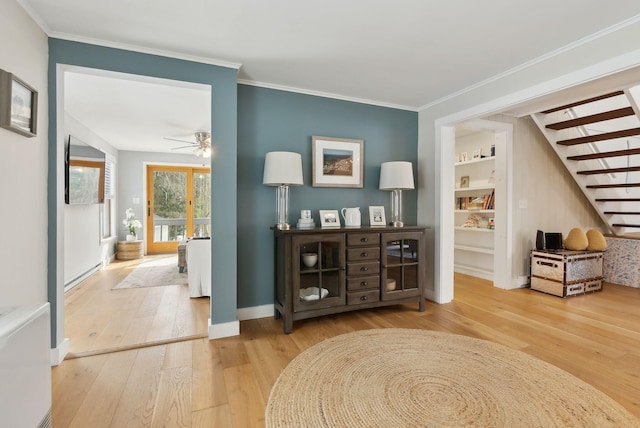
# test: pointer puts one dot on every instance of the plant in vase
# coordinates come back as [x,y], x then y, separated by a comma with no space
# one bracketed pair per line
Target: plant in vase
[131,224]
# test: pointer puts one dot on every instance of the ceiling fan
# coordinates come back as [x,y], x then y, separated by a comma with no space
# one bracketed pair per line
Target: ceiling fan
[202,145]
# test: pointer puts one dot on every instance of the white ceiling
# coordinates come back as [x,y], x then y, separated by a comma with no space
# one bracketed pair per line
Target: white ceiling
[406,53]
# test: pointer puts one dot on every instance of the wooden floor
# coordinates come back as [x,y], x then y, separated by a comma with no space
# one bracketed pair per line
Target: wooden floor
[99,319]
[226,382]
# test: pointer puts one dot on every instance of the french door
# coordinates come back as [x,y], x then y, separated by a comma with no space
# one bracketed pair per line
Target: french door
[178,205]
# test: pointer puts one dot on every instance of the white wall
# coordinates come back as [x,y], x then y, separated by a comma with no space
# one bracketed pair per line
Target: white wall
[611,52]
[23,167]
[83,247]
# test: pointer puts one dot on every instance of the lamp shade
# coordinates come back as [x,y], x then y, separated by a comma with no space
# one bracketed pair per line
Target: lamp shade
[396,175]
[282,168]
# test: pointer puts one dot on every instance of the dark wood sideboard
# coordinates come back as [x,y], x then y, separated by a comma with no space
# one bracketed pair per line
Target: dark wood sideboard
[354,268]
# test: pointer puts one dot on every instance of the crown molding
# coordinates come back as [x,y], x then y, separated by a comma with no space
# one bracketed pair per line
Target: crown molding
[324,94]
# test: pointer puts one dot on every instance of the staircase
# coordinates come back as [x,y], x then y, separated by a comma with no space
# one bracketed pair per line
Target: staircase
[598,140]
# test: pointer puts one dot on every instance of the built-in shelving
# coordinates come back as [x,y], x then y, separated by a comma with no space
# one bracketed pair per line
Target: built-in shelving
[474,246]
[474,249]
[474,229]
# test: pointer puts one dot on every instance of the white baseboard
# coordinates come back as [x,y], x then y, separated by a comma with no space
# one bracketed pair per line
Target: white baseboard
[58,354]
[227,329]
[254,312]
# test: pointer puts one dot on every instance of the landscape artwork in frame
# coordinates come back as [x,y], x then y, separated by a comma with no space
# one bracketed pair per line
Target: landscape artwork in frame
[18,105]
[376,216]
[337,162]
[329,218]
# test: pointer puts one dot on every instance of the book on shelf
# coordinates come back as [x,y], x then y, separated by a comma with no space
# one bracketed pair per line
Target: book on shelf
[484,202]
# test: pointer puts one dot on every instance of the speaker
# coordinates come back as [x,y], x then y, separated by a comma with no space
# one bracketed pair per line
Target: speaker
[540,240]
[553,241]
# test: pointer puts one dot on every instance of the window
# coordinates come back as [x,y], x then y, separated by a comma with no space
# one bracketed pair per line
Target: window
[107,226]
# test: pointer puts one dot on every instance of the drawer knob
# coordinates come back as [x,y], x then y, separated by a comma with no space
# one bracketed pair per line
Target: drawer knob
[364,269]
[363,298]
[364,254]
[364,239]
[364,284]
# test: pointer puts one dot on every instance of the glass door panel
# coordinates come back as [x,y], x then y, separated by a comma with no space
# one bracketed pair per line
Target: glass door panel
[319,272]
[401,269]
[201,203]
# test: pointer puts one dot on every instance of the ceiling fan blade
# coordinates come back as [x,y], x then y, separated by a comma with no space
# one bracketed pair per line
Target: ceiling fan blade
[183,147]
[182,141]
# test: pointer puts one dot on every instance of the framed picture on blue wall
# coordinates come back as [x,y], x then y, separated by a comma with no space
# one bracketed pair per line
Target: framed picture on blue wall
[337,162]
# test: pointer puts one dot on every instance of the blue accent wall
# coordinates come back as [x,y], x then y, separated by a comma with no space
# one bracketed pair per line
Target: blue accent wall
[272,120]
[223,167]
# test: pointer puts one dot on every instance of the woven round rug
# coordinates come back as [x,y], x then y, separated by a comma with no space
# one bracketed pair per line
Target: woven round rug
[417,378]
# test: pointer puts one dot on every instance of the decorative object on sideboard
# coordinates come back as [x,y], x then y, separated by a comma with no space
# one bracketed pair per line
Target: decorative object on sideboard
[305,221]
[131,224]
[337,162]
[351,216]
[18,105]
[329,218]
[282,169]
[396,177]
[376,216]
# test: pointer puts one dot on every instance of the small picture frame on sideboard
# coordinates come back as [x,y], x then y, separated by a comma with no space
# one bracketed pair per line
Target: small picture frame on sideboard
[329,218]
[376,216]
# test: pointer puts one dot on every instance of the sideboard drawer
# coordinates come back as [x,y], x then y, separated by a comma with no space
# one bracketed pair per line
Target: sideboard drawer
[362,297]
[362,239]
[363,253]
[355,269]
[363,282]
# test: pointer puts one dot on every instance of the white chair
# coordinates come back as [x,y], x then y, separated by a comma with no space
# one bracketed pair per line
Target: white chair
[198,255]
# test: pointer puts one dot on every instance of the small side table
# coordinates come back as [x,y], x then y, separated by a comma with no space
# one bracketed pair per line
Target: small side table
[129,250]
[182,258]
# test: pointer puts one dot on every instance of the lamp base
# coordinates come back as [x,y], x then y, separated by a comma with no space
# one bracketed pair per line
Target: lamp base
[396,223]
[283,226]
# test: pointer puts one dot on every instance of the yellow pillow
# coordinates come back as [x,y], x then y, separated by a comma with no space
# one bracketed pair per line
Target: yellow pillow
[576,240]
[597,242]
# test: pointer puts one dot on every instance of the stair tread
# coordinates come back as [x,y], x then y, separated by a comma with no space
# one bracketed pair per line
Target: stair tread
[608,170]
[601,155]
[623,212]
[612,185]
[625,225]
[587,101]
[600,137]
[598,117]
[617,199]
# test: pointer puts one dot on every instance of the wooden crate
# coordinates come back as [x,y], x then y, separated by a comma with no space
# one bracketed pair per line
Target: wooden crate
[129,250]
[566,273]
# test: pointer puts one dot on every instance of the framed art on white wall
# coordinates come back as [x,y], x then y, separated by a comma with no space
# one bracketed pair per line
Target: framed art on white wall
[18,105]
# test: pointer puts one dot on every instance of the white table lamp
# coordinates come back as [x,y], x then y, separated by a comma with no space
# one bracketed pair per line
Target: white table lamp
[396,176]
[282,169]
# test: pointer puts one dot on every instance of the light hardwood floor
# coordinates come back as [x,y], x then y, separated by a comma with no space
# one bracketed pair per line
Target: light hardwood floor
[99,319]
[226,382]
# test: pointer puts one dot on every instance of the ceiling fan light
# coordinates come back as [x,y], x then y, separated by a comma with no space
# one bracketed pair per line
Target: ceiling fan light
[206,152]
[198,151]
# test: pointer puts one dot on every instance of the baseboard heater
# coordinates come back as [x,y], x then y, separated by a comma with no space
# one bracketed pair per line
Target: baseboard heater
[78,279]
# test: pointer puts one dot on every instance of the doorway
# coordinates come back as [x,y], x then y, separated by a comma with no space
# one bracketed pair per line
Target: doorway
[178,206]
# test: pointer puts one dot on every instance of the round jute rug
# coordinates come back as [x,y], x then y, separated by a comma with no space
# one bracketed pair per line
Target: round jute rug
[417,378]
